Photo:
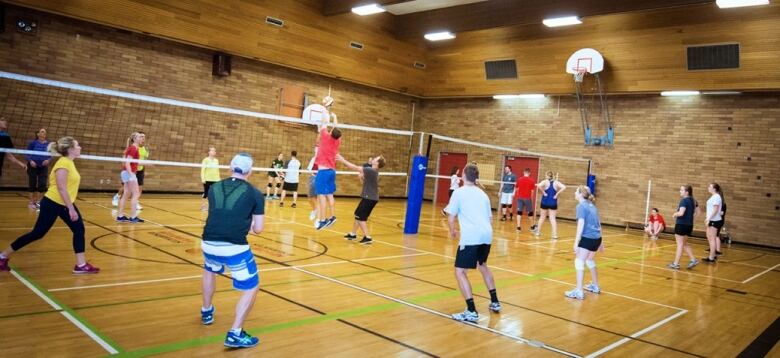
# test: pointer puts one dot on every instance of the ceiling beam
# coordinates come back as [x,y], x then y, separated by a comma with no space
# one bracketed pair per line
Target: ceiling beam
[337,7]
[498,13]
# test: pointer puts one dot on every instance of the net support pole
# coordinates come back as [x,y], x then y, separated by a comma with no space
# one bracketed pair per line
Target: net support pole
[415,197]
[647,202]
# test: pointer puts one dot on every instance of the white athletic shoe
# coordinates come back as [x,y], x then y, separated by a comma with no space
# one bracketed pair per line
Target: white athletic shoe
[575,293]
[466,316]
[312,215]
[138,207]
[115,200]
[593,288]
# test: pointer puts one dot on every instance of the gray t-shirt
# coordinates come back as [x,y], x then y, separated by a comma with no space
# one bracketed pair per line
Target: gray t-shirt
[507,179]
[370,184]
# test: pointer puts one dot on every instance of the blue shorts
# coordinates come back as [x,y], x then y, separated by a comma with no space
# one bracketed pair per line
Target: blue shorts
[127,177]
[325,182]
[238,258]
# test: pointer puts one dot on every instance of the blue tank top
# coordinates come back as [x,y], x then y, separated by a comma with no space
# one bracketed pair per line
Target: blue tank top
[549,199]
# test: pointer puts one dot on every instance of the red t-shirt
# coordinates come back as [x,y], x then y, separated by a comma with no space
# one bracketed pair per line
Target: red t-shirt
[329,147]
[658,218]
[132,151]
[525,187]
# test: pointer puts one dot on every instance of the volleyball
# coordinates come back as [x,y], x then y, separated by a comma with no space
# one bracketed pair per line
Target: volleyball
[327,101]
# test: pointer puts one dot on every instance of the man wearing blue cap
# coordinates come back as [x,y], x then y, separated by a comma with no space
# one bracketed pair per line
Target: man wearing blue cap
[235,209]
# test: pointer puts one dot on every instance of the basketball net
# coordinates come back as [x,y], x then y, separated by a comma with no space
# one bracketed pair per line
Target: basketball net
[579,75]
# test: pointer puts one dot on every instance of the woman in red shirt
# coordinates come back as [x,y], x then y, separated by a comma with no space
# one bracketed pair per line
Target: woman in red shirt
[655,224]
[130,181]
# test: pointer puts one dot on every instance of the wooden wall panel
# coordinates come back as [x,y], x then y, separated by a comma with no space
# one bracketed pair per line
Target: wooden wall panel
[645,52]
[308,40]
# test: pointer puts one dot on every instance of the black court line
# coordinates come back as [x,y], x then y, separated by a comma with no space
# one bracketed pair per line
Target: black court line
[453,288]
[26,314]
[377,334]
[764,343]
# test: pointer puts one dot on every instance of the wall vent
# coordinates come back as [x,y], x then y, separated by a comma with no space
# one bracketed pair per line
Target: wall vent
[500,69]
[713,57]
[274,21]
[356,45]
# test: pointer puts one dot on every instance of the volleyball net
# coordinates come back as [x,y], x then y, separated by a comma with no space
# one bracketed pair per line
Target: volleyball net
[180,133]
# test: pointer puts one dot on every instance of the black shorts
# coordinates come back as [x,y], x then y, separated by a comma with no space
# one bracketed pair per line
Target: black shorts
[549,207]
[272,175]
[682,229]
[140,175]
[206,187]
[364,209]
[290,186]
[591,245]
[716,224]
[471,255]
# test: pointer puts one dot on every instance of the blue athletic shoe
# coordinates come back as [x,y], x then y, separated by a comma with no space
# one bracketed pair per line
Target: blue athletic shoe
[207,317]
[330,221]
[321,224]
[122,219]
[243,340]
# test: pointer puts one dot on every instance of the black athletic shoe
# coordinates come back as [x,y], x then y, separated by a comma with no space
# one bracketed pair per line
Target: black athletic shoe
[350,237]
[503,218]
[519,229]
[293,205]
[281,205]
[366,241]
[710,261]
[533,227]
[718,253]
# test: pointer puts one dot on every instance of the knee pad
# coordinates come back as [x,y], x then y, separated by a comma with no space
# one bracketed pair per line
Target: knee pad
[504,206]
[270,185]
[590,263]
[530,214]
[278,185]
[579,264]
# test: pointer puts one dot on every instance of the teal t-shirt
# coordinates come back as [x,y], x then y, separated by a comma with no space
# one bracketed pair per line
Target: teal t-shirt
[232,202]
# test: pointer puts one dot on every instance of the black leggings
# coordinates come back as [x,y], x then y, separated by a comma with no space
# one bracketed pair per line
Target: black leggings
[38,178]
[46,218]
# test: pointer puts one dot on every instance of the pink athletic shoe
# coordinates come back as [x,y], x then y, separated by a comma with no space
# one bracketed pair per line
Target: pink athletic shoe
[86,269]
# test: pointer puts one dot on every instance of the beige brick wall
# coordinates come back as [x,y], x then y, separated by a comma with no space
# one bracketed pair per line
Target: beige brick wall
[672,141]
[669,140]
[75,51]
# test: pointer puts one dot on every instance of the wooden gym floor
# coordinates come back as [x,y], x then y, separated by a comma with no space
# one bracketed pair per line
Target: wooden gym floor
[324,296]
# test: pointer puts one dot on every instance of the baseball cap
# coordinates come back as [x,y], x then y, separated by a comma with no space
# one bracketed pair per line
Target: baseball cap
[241,163]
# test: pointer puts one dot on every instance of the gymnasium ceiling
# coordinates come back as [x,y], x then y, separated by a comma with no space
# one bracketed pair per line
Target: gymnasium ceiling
[414,18]
[643,42]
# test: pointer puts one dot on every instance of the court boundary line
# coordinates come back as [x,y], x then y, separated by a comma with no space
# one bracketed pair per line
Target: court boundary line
[102,340]
[760,273]
[636,335]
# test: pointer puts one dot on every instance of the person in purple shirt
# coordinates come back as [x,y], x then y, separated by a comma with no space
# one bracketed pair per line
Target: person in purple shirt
[38,168]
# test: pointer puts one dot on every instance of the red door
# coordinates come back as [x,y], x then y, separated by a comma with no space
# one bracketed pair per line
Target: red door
[519,164]
[447,161]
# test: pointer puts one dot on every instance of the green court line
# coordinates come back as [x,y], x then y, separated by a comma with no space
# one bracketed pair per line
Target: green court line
[71,311]
[436,296]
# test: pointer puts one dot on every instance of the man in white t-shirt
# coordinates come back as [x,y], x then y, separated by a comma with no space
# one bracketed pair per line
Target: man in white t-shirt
[471,206]
[291,179]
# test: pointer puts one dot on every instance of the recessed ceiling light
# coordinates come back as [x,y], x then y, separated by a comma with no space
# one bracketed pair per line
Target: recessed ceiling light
[725,4]
[369,9]
[438,36]
[562,21]
[722,93]
[523,96]
[679,93]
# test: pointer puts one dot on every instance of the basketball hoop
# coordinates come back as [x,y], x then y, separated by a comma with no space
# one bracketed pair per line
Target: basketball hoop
[579,74]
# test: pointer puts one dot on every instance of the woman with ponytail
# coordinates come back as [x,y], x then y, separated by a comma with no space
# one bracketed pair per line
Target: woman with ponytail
[130,181]
[683,227]
[586,242]
[713,221]
[64,182]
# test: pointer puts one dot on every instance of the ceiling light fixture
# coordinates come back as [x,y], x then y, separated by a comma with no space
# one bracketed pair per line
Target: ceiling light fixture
[369,9]
[679,93]
[725,4]
[523,96]
[562,21]
[438,36]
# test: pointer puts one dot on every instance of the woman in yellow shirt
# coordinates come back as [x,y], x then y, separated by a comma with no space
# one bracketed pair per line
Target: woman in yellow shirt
[209,174]
[64,182]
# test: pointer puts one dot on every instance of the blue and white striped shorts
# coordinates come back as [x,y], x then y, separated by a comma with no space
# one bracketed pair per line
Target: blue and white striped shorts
[238,258]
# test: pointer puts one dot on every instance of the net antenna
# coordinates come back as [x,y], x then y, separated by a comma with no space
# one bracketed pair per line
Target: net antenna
[591,97]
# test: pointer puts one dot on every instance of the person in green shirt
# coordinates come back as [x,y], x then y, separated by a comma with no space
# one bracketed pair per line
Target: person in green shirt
[275,177]
[209,174]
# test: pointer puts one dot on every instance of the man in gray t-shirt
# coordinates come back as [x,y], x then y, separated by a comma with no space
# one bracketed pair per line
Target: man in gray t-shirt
[370,195]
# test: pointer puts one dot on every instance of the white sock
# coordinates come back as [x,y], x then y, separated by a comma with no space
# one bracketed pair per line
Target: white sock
[207,309]
[236,331]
